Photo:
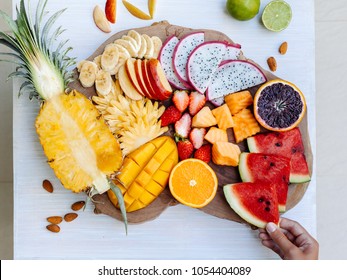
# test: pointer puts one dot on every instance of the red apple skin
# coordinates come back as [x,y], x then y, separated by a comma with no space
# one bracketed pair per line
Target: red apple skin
[130,68]
[140,78]
[151,93]
[158,80]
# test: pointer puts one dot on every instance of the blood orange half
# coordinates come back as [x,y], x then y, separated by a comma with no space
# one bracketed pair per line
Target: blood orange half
[279,105]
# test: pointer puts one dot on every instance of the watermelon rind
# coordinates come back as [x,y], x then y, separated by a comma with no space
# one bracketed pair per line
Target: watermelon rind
[240,209]
[244,171]
[299,178]
[252,146]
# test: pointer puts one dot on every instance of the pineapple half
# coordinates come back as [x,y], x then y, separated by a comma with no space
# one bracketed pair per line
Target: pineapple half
[75,138]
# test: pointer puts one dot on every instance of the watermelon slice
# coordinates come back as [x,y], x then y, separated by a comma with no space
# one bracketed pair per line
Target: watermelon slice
[288,144]
[270,168]
[255,202]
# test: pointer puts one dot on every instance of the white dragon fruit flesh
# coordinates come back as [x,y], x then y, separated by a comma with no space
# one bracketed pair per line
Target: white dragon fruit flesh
[165,58]
[203,62]
[181,53]
[233,76]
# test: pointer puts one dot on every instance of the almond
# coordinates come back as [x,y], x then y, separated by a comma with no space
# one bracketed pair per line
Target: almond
[55,219]
[69,217]
[271,61]
[53,228]
[100,19]
[47,185]
[78,205]
[283,48]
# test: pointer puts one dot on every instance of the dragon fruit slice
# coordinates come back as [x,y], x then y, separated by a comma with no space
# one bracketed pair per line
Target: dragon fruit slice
[165,58]
[203,62]
[181,53]
[233,76]
[233,51]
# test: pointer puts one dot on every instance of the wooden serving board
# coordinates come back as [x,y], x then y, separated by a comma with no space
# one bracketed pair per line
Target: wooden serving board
[226,175]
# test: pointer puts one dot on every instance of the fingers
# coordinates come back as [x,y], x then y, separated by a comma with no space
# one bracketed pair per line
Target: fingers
[293,227]
[279,238]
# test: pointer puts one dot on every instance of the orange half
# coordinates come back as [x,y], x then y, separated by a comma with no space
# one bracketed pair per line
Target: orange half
[193,183]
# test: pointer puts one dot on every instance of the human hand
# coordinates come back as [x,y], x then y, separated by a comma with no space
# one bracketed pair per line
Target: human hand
[290,241]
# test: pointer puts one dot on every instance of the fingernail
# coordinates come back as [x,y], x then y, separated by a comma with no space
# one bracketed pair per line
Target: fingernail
[270,227]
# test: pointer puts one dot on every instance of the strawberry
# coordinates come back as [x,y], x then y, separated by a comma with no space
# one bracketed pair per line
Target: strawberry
[196,102]
[203,153]
[196,136]
[110,10]
[170,115]
[185,149]
[183,126]
[181,99]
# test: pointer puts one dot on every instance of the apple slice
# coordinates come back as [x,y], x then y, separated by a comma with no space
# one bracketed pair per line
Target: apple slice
[127,86]
[159,82]
[145,75]
[130,68]
[140,78]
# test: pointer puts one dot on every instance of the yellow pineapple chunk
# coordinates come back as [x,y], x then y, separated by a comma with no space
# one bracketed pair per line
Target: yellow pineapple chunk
[238,101]
[79,146]
[225,153]
[204,118]
[215,134]
[146,172]
[223,117]
[245,125]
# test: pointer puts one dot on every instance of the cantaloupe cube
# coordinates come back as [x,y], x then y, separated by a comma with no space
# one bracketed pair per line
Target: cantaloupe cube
[204,118]
[245,125]
[223,117]
[238,101]
[225,153]
[215,134]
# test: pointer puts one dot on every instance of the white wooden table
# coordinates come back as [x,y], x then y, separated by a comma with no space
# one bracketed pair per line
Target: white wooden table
[180,232]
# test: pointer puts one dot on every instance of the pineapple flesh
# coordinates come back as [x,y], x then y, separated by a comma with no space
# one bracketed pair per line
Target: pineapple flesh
[75,138]
[79,146]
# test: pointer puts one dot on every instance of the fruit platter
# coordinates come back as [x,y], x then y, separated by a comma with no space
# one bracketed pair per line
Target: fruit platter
[214,127]
[167,115]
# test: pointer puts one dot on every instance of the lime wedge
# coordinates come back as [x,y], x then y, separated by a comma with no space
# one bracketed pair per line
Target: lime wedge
[277,15]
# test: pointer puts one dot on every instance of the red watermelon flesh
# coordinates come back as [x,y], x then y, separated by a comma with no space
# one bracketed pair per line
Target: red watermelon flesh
[288,144]
[255,202]
[271,168]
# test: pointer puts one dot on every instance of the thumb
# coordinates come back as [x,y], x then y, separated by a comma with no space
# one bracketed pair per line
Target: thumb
[279,238]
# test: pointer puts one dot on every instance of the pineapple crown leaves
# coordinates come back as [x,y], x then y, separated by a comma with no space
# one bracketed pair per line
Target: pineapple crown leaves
[115,189]
[31,44]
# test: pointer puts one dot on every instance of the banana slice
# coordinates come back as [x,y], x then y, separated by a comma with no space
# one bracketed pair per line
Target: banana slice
[132,41]
[88,72]
[136,36]
[123,51]
[157,46]
[109,57]
[150,46]
[103,83]
[128,46]
[97,61]
[143,49]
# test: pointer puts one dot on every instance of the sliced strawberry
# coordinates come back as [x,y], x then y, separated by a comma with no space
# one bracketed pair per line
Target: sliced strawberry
[196,136]
[185,149]
[196,102]
[110,10]
[203,153]
[181,100]
[170,115]
[183,126]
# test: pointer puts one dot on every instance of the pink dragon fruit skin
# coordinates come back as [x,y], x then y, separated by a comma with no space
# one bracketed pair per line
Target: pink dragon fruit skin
[165,58]
[203,62]
[181,53]
[233,76]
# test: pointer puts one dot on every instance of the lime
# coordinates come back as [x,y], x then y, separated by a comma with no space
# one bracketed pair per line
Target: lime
[243,9]
[277,15]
